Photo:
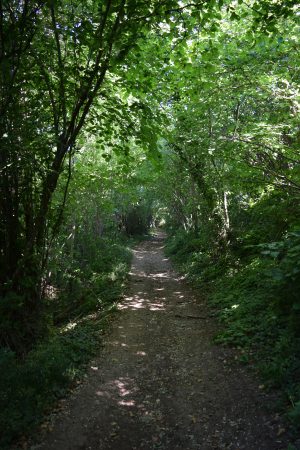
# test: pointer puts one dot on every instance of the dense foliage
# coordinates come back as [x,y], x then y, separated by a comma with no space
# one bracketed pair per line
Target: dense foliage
[119,115]
[233,210]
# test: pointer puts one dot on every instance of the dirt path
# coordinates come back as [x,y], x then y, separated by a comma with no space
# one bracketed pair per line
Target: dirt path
[160,383]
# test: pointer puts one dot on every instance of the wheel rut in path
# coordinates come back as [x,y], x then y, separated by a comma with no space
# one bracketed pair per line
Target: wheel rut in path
[160,382]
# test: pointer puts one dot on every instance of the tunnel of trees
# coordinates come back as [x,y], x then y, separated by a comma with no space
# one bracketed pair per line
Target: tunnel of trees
[118,115]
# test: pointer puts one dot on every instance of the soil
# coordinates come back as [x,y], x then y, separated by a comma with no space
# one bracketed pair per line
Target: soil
[159,382]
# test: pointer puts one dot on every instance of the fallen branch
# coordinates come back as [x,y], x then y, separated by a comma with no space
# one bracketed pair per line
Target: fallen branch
[190,317]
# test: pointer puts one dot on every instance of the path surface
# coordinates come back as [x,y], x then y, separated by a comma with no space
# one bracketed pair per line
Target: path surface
[159,382]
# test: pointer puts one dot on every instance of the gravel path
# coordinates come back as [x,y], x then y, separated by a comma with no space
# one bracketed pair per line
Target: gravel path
[159,382]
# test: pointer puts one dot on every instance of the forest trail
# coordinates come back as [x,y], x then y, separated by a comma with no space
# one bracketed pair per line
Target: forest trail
[160,382]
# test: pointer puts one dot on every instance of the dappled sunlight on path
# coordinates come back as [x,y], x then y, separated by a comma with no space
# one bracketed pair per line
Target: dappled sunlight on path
[159,382]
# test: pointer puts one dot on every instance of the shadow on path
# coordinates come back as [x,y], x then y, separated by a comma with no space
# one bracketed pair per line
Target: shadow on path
[159,382]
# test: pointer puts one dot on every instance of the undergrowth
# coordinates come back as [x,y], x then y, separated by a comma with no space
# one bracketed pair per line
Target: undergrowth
[257,301]
[79,307]
[30,387]
[89,278]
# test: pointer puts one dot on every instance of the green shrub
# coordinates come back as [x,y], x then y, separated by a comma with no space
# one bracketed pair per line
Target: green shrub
[182,245]
[286,274]
[90,282]
[247,304]
[93,278]
[28,388]
[257,301]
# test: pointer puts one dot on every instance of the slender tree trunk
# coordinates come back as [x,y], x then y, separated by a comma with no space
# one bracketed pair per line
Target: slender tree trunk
[226,214]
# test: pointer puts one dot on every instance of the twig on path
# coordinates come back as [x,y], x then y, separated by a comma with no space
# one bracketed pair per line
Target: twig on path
[190,317]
